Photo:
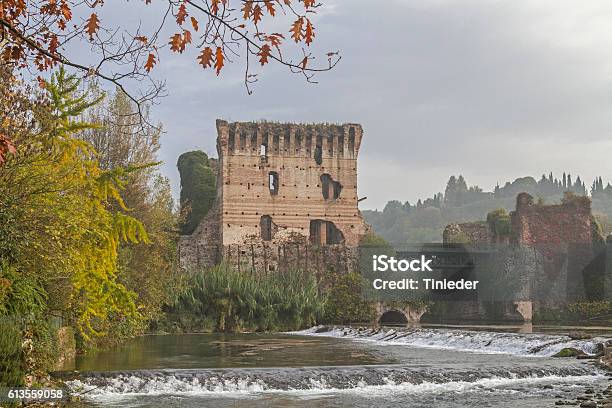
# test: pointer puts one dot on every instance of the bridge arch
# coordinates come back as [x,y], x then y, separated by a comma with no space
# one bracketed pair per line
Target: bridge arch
[392,314]
[393,317]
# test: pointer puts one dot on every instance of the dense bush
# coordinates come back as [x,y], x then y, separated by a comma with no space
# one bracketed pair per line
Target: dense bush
[499,221]
[578,312]
[239,301]
[345,303]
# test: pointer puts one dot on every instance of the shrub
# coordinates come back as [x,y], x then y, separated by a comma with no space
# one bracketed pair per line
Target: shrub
[239,301]
[499,221]
[345,304]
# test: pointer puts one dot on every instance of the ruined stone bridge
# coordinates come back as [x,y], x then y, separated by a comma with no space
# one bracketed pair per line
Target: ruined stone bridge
[450,261]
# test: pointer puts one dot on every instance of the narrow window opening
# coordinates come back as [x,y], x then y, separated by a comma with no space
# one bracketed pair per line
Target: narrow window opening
[265,225]
[242,141]
[232,142]
[318,155]
[273,182]
[298,141]
[351,142]
[286,142]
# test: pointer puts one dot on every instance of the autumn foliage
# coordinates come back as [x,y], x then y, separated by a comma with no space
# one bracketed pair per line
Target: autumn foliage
[36,35]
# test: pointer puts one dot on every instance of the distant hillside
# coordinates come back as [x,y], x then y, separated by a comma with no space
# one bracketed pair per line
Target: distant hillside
[425,220]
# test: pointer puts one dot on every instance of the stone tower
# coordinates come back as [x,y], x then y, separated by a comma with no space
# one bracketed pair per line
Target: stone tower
[279,184]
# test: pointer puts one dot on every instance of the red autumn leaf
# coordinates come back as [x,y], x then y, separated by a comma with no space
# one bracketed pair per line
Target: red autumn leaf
[142,39]
[257,14]
[309,3]
[296,29]
[176,43]
[66,11]
[61,24]
[92,25]
[186,38]
[194,23]
[270,7]
[150,62]
[182,14]
[275,39]
[214,7]
[205,58]
[309,35]
[247,9]
[219,60]
[264,53]
[53,44]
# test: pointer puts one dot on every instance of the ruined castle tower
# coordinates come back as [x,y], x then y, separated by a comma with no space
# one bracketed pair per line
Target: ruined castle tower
[280,184]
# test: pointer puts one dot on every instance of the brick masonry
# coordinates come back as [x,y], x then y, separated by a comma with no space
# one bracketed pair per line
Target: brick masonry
[286,197]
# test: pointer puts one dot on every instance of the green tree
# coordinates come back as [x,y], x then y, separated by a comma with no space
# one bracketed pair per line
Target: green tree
[198,189]
[62,217]
[122,142]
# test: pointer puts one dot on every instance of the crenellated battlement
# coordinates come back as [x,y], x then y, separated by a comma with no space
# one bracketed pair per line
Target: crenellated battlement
[289,140]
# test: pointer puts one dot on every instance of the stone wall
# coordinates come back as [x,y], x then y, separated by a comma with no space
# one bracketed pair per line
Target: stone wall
[538,224]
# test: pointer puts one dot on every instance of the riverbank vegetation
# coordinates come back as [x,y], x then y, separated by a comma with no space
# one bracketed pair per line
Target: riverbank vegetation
[87,230]
[223,299]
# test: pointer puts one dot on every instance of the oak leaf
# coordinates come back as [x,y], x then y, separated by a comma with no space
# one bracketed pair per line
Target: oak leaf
[186,38]
[66,11]
[206,57]
[194,23]
[176,43]
[219,60]
[264,53]
[92,25]
[309,34]
[150,62]
[296,29]
[270,7]
[257,14]
[214,7]
[182,14]
[247,9]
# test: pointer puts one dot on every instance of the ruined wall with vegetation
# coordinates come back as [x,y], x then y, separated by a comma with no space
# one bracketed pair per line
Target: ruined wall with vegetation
[555,255]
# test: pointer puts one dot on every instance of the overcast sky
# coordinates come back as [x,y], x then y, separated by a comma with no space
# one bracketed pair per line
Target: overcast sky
[493,90]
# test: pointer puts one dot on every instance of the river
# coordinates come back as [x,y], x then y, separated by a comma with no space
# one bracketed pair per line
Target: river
[343,367]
